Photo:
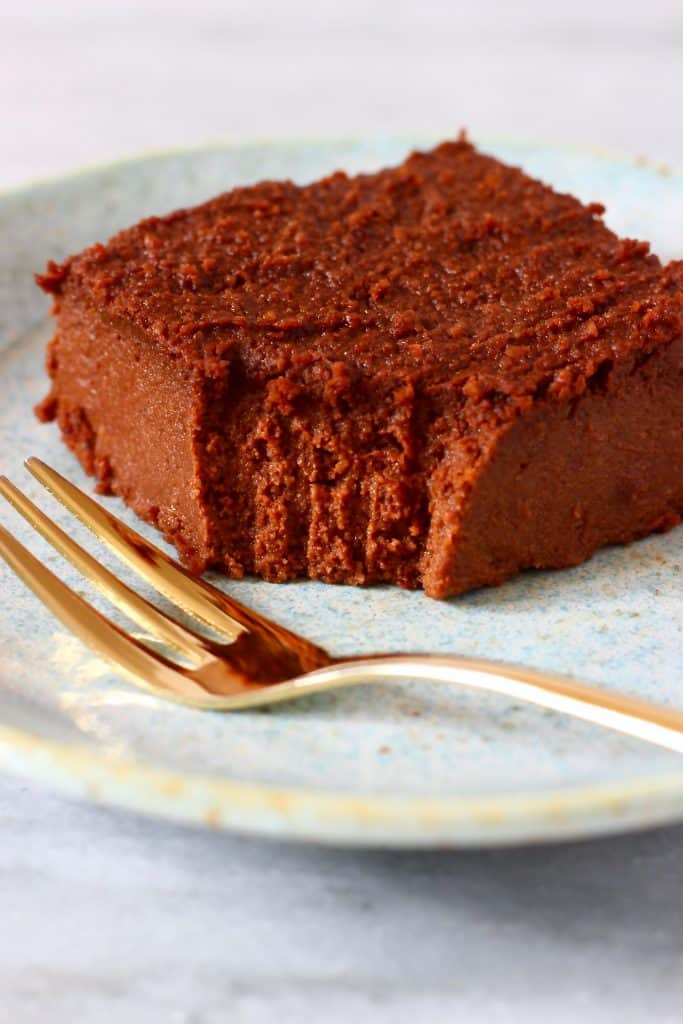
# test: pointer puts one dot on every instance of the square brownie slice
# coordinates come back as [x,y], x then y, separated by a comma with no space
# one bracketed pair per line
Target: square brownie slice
[435,375]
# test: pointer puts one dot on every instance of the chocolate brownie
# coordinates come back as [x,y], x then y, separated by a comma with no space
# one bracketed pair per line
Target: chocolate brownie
[435,375]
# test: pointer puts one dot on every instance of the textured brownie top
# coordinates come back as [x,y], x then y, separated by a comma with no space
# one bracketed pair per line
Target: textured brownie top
[451,271]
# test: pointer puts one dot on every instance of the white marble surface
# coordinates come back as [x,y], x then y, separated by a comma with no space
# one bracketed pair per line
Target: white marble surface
[109,917]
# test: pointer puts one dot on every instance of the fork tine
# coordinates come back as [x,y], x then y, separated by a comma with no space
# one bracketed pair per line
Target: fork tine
[130,602]
[147,669]
[194,595]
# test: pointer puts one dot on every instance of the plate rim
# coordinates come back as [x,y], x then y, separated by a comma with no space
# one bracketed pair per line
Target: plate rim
[333,817]
[645,163]
[336,818]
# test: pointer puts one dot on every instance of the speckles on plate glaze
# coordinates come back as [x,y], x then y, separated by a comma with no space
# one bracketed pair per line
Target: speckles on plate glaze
[615,620]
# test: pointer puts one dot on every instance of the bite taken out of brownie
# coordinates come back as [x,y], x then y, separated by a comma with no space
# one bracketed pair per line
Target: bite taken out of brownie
[435,375]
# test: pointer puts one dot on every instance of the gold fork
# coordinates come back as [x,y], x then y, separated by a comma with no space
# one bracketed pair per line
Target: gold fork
[256,661]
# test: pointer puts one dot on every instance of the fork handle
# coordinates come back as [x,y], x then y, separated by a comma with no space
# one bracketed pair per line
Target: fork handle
[658,725]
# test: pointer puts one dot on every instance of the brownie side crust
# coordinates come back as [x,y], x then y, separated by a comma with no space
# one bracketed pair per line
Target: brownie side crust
[128,411]
[565,480]
[435,375]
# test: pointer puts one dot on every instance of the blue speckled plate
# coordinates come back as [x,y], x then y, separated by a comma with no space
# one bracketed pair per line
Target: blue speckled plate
[400,765]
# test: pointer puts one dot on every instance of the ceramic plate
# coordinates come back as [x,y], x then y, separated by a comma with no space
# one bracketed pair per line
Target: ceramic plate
[409,764]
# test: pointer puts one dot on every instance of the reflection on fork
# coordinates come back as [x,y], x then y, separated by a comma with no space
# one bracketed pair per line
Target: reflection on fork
[253,661]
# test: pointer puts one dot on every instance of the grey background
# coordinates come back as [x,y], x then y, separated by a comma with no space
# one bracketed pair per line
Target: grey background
[83,81]
[106,916]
